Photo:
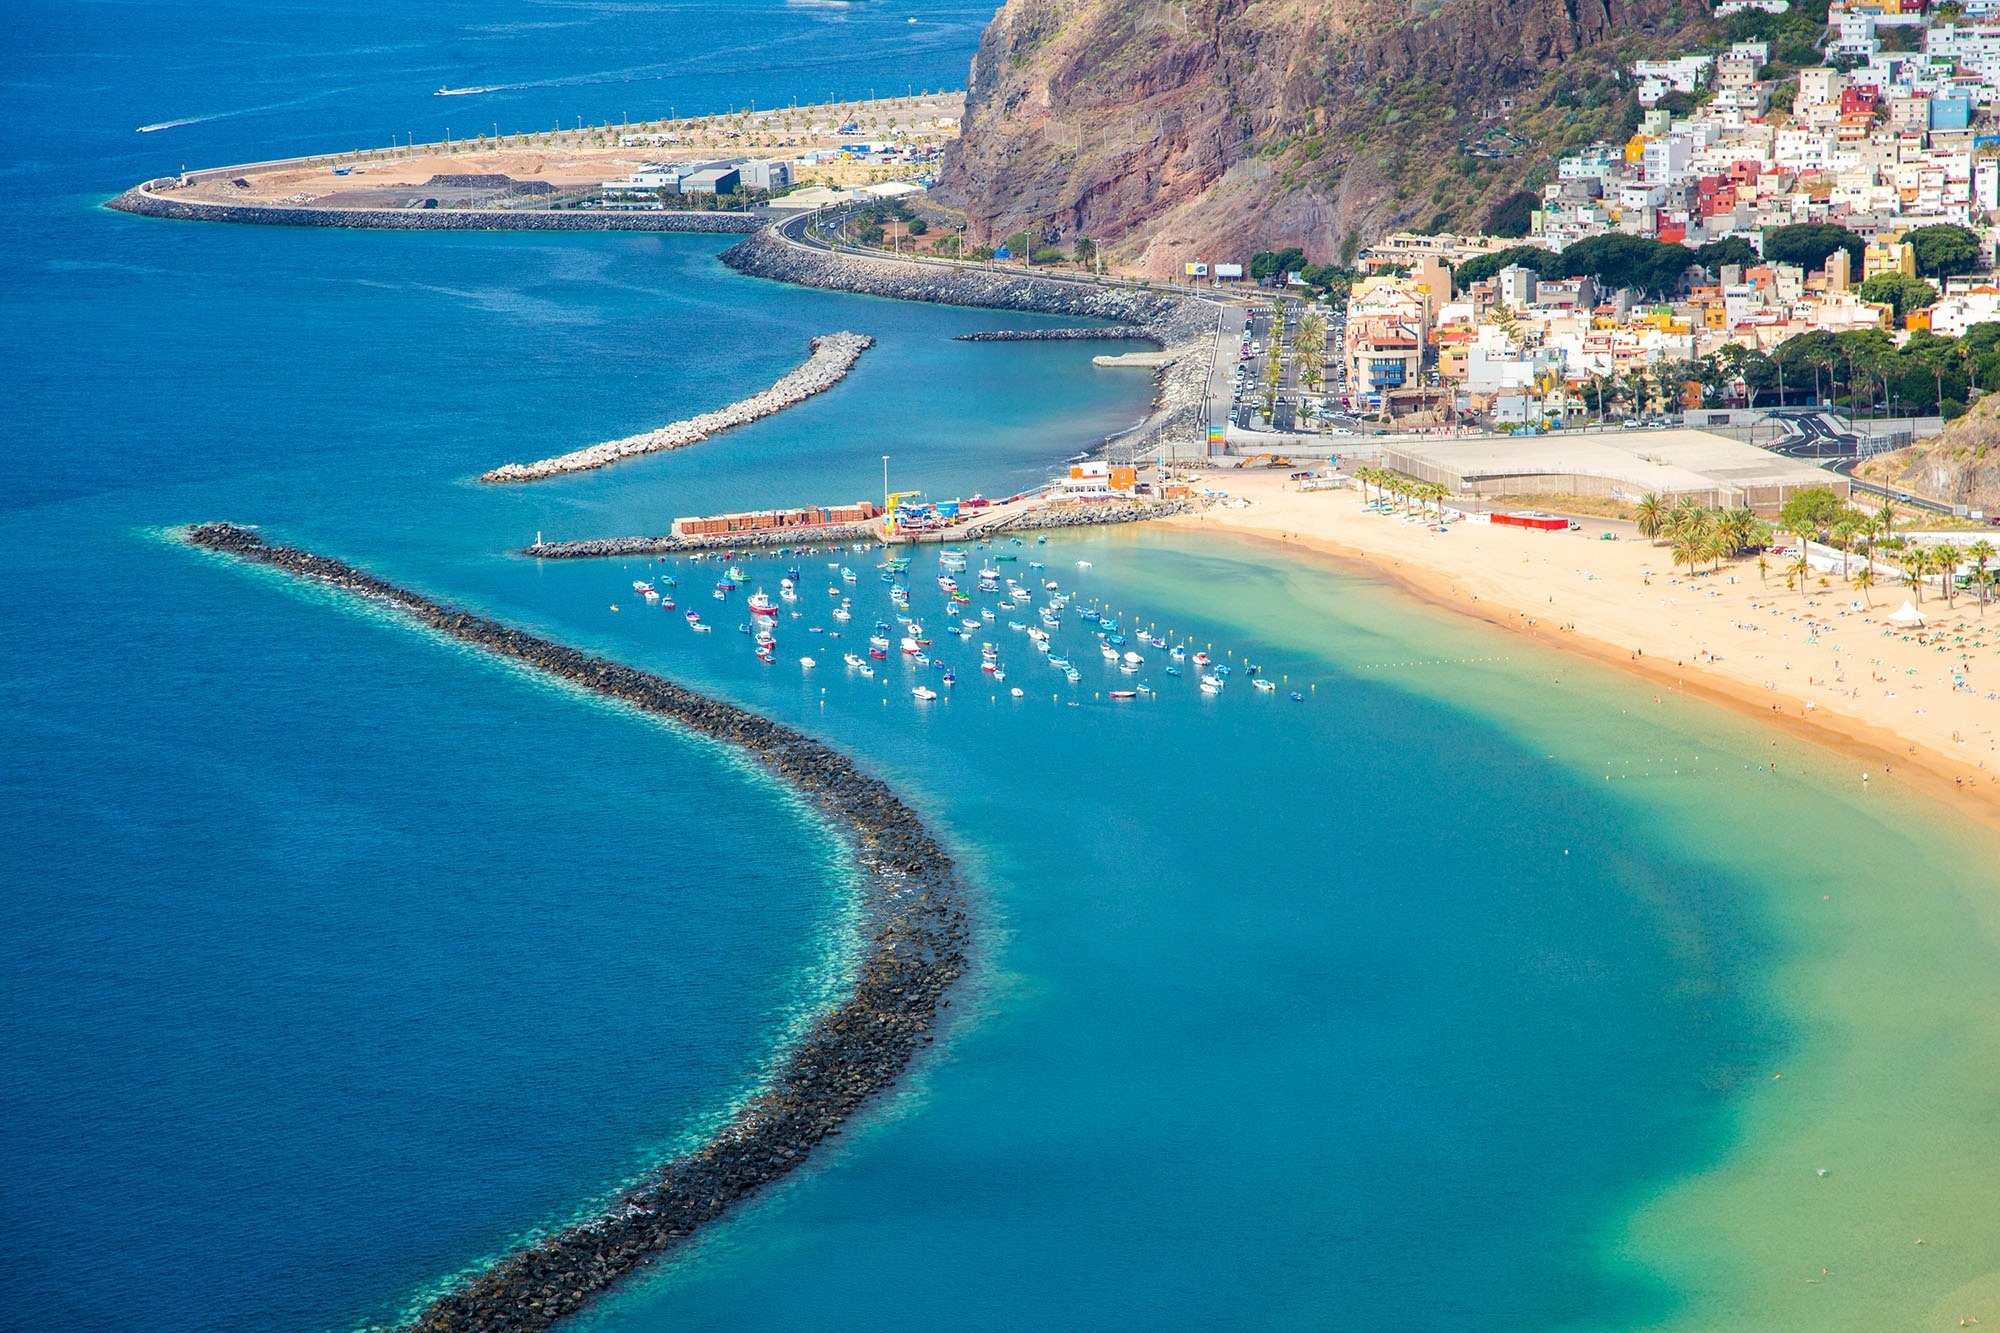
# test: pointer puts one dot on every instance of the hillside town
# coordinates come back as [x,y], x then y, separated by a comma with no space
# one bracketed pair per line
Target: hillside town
[1836,215]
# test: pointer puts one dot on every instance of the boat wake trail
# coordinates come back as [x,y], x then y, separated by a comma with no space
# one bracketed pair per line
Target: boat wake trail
[160,125]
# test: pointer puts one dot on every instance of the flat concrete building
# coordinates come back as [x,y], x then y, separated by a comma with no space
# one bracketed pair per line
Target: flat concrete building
[711,180]
[1622,465]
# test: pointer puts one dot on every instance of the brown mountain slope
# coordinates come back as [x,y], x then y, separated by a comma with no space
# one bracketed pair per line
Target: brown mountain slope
[1211,129]
[1961,466]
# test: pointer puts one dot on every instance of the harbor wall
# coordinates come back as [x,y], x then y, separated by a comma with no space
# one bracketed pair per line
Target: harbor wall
[146,202]
[1056,335]
[608,547]
[912,902]
[1184,326]
[833,355]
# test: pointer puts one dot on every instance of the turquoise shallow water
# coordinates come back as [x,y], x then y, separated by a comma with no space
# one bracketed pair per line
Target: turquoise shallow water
[338,958]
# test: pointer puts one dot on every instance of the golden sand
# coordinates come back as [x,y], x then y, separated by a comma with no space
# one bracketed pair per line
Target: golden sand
[1923,705]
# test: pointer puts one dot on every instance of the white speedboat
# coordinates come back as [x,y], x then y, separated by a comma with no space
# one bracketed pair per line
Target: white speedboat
[924,692]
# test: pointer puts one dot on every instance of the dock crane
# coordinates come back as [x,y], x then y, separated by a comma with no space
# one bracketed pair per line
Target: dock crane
[894,499]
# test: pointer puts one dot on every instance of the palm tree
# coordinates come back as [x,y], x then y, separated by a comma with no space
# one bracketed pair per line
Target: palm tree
[1913,562]
[1981,551]
[1944,561]
[1651,515]
[1864,579]
[1688,547]
[1842,535]
[1802,568]
[1763,570]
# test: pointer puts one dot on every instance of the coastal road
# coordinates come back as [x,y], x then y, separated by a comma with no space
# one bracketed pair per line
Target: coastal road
[1222,370]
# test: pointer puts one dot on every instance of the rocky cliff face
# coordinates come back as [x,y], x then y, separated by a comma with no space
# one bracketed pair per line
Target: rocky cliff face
[1206,129]
[1961,466]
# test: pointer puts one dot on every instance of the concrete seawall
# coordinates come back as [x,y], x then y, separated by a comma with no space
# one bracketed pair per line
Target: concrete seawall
[912,900]
[1185,327]
[606,547]
[1045,518]
[833,355]
[146,201]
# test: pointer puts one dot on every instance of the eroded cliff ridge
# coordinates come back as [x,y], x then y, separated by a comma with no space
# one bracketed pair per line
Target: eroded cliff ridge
[1210,129]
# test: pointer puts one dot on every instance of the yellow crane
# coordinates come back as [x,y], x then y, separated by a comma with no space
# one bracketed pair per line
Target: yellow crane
[894,499]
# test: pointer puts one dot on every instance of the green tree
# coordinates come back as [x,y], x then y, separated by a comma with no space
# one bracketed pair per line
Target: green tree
[919,227]
[1481,267]
[1807,244]
[1900,292]
[1944,250]
[1728,250]
[1651,515]
[1274,263]
[1085,250]
[1810,510]
[1514,215]
[1980,553]
[1618,260]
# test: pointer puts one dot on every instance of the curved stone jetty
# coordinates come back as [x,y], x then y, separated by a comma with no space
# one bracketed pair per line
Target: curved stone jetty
[1056,335]
[833,355]
[1185,326]
[913,901]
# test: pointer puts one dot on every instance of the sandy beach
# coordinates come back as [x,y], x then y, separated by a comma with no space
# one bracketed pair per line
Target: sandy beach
[1922,706]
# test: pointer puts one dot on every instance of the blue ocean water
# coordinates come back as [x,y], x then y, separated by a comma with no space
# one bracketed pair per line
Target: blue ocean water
[339,958]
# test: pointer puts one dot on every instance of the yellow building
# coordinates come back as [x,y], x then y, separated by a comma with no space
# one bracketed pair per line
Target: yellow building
[1888,254]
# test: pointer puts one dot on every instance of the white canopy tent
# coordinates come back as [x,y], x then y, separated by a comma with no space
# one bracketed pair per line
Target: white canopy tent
[1907,617]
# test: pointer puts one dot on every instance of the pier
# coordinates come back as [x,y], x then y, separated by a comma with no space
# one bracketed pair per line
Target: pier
[833,355]
[912,901]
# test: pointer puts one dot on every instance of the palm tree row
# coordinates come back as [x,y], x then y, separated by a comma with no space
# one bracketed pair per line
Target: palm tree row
[1697,532]
[1404,488]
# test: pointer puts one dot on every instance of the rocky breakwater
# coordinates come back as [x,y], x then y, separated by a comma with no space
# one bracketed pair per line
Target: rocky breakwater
[1055,335]
[916,929]
[153,199]
[599,548]
[1091,515]
[1184,326]
[833,355]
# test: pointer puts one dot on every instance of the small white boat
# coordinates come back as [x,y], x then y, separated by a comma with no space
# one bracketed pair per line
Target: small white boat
[807,663]
[867,670]
[924,692]
[1262,684]
[1110,653]
[1016,691]
[855,660]
[1133,659]
[1083,564]
[641,586]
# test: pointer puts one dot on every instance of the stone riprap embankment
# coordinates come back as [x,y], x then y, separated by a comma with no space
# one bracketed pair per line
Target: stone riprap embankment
[916,929]
[1055,335]
[833,355]
[603,547]
[1088,516]
[148,201]
[1184,326]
